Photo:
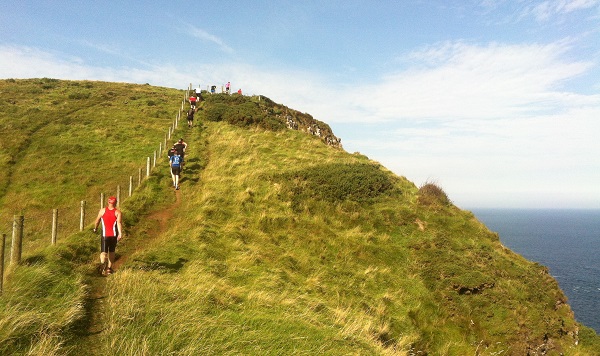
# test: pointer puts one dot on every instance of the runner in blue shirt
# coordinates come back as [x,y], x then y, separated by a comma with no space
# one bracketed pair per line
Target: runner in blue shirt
[175,164]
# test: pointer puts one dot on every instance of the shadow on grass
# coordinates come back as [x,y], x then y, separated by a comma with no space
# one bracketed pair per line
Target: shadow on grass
[161,266]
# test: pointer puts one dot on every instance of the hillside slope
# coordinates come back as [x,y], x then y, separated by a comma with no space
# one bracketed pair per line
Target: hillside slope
[68,141]
[282,243]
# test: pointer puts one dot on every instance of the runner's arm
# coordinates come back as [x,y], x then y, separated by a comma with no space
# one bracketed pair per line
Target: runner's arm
[119,225]
[100,213]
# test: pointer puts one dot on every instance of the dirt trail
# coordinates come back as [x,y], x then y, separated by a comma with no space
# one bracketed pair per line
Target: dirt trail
[89,333]
[162,216]
[91,328]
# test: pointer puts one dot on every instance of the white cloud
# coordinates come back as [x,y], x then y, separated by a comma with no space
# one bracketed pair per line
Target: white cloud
[205,36]
[487,121]
[456,80]
[548,9]
[28,62]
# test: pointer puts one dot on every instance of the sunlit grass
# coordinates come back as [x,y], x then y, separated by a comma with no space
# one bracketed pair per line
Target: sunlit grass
[259,259]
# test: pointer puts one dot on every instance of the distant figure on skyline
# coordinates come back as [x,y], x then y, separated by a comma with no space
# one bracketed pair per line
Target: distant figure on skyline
[227,87]
[240,91]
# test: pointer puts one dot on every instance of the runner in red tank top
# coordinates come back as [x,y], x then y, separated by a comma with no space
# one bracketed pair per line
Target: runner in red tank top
[112,231]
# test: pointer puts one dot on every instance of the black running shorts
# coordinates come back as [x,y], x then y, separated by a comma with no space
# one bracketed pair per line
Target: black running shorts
[108,243]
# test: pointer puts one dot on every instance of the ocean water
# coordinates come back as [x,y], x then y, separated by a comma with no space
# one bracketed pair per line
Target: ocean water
[565,241]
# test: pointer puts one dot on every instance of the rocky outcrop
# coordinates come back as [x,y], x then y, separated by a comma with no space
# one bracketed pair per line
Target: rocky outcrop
[296,120]
[306,123]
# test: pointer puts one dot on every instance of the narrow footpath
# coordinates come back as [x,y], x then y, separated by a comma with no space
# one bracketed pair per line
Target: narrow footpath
[90,330]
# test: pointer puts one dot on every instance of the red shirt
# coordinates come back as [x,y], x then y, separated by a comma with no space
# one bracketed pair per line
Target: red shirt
[109,223]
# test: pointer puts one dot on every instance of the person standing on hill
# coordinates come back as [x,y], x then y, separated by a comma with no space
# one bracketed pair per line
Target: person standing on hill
[193,102]
[175,163]
[227,87]
[112,232]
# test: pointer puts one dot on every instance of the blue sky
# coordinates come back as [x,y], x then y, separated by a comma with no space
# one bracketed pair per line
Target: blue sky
[496,101]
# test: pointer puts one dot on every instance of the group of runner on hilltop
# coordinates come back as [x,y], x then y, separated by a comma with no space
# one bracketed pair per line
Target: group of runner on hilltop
[196,100]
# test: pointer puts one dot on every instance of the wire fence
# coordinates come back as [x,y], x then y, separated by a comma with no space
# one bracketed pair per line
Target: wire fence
[74,217]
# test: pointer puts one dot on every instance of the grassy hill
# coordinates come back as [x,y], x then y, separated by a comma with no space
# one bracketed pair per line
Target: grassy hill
[279,242]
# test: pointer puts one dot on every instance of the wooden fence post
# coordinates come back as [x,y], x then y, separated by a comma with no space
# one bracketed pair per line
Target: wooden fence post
[17,240]
[118,196]
[148,167]
[2,245]
[154,161]
[54,225]
[82,216]
[169,135]
[130,186]
[101,200]
[140,177]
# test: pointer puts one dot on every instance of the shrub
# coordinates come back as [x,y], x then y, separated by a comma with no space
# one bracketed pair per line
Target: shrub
[430,194]
[337,182]
[215,112]
[239,111]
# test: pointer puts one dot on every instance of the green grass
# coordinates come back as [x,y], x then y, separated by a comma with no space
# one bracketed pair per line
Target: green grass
[61,147]
[279,245]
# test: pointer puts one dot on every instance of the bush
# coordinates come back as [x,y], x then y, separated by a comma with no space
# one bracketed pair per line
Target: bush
[239,111]
[215,112]
[430,194]
[337,182]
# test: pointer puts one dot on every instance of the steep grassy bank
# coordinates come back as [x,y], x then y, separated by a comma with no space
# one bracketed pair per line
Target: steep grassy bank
[284,245]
